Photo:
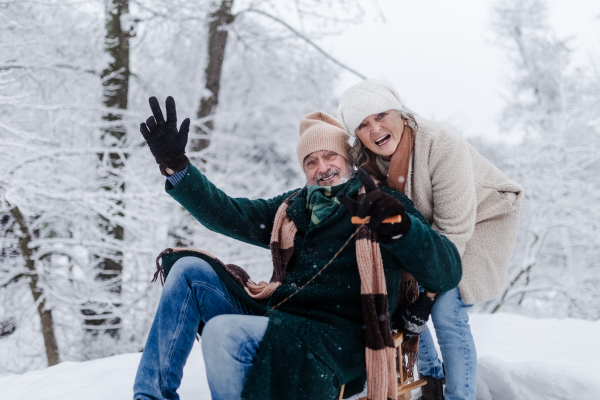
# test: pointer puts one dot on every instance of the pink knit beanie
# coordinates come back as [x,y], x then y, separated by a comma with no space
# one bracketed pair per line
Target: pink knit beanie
[321,131]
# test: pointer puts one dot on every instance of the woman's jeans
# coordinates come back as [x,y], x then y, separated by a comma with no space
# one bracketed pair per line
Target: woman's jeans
[451,323]
[230,338]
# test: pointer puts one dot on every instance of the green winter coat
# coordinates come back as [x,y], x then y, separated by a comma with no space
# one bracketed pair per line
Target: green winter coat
[314,343]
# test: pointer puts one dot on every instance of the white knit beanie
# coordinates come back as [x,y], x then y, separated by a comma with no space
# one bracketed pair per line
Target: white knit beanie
[363,99]
[321,131]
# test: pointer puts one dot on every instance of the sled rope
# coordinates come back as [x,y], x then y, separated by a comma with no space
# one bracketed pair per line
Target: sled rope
[320,271]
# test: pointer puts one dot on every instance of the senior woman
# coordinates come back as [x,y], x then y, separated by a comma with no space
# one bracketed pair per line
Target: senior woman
[462,195]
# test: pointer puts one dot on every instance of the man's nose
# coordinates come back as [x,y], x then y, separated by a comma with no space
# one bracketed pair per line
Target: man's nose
[322,166]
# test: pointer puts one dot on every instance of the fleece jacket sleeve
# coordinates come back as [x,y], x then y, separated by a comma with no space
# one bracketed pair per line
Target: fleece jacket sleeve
[249,221]
[430,257]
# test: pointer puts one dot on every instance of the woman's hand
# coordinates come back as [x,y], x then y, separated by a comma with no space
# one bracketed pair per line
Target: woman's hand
[166,143]
[413,320]
[378,206]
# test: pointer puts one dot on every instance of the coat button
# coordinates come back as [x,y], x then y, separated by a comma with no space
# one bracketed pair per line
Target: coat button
[309,250]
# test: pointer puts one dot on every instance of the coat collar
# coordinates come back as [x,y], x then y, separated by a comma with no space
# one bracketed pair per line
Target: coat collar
[297,208]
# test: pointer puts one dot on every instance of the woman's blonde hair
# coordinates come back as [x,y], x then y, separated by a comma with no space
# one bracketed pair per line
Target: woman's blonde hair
[359,154]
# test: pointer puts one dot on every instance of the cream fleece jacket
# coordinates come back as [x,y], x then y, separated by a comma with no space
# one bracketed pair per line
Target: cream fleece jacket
[468,200]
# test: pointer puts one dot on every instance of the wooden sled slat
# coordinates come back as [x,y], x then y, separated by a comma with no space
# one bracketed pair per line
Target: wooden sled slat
[411,386]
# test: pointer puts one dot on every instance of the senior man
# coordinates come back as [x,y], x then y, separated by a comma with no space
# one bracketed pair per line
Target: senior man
[324,318]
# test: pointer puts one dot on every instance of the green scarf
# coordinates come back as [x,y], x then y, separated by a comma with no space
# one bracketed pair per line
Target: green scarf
[322,201]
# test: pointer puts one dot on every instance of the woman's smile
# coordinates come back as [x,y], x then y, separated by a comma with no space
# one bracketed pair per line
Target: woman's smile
[383,140]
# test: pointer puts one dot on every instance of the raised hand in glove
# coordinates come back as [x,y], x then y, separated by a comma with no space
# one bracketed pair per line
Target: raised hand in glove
[378,206]
[166,143]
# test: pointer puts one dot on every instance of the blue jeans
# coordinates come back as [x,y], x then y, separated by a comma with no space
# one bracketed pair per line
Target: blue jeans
[230,339]
[451,323]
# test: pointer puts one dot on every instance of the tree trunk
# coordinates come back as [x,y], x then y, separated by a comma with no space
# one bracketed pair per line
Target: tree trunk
[217,42]
[115,79]
[37,292]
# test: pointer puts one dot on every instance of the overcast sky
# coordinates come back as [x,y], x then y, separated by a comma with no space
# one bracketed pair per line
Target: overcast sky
[440,57]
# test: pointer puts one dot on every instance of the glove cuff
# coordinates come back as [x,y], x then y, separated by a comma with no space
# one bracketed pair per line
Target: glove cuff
[405,225]
[175,164]
[416,316]
[402,228]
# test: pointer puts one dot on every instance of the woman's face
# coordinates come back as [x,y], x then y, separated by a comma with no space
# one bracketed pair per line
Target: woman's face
[381,132]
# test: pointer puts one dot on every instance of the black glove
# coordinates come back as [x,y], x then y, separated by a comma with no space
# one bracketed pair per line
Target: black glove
[413,320]
[378,206]
[166,144]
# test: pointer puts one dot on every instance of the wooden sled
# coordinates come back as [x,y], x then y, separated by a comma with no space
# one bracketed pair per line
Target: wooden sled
[406,381]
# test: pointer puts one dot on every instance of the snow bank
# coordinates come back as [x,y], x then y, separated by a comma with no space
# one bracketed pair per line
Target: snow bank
[106,378]
[515,338]
[520,358]
[500,380]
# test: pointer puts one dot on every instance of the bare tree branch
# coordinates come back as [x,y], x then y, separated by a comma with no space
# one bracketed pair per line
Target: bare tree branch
[307,40]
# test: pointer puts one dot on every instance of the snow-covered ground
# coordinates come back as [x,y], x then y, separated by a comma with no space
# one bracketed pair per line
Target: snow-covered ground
[520,358]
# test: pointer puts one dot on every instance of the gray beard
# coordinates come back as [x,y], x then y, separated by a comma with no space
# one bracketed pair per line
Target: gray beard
[343,179]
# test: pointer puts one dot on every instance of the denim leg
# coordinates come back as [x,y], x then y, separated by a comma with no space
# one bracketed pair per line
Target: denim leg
[429,362]
[451,323]
[229,346]
[192,292]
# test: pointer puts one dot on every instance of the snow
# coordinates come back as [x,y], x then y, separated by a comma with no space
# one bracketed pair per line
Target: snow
[501,380]
[525,358]
[105,378]
[519,358]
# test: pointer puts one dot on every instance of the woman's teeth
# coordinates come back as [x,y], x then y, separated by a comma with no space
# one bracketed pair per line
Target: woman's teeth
[383,140]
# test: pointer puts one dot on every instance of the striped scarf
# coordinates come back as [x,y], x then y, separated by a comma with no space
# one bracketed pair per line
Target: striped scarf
[322,202]
[380,352]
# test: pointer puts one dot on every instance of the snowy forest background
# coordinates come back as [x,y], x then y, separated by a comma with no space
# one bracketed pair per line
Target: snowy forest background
[83,213]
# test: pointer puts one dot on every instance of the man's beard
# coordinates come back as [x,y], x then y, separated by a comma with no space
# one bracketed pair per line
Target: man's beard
[333,171]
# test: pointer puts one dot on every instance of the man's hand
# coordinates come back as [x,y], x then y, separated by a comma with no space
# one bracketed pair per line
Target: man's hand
[378,206]
[166,143]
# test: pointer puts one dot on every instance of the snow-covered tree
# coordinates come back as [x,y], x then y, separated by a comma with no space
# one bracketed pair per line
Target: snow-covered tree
[79,187]
[554,105]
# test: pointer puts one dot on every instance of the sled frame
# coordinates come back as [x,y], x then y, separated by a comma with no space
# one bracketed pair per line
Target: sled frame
[406,381]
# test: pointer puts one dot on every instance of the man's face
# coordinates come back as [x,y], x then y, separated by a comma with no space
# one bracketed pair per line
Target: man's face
[325,168]
[381,132]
